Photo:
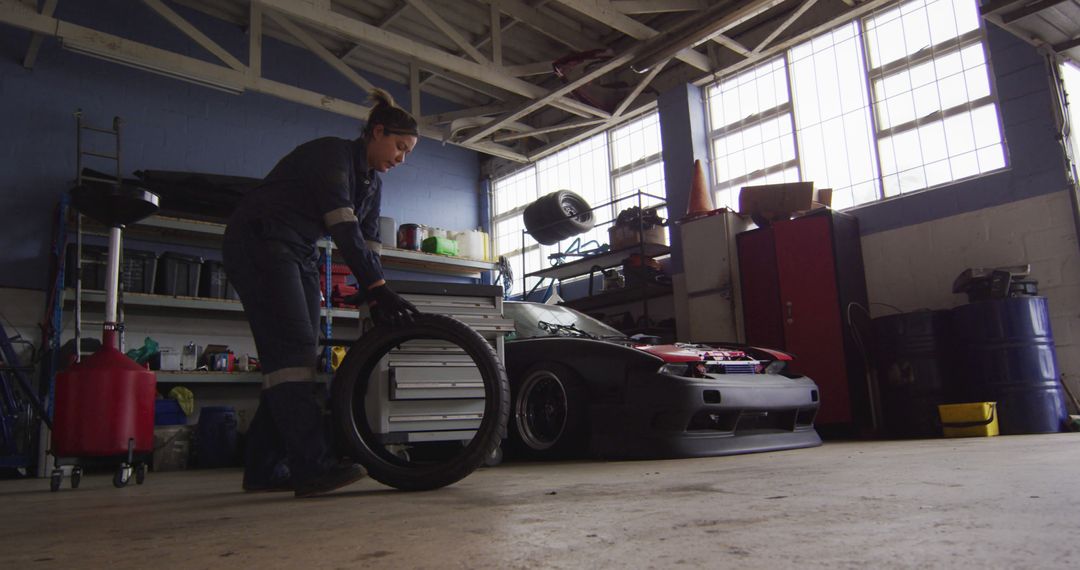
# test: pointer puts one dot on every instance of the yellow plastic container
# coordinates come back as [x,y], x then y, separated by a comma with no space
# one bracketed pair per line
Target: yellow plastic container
[337,354]
[977,419]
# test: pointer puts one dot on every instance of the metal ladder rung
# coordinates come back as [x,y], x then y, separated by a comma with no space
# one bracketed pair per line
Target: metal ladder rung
[100,179]
[98,130]
[100,155]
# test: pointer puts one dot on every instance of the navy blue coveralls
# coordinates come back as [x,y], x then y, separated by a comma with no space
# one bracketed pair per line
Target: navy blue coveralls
[271,258]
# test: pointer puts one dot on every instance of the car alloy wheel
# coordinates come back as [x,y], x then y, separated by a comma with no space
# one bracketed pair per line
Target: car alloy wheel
[542,410]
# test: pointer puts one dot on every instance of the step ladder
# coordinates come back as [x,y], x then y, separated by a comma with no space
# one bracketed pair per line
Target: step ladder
[80,177]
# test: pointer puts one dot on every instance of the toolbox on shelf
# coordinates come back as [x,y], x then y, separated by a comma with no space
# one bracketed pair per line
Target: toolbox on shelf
[179,274]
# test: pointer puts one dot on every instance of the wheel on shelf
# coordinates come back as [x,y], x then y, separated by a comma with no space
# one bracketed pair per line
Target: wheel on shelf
[122,476]
[140,474]
[56,480]
[76,477]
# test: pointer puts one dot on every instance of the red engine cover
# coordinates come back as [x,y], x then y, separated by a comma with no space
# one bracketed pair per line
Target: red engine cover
[101,403]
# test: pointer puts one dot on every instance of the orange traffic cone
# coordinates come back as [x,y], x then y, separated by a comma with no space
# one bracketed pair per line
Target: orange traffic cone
[700,201]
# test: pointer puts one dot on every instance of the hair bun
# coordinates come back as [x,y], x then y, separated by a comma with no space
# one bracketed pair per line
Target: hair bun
[380,97]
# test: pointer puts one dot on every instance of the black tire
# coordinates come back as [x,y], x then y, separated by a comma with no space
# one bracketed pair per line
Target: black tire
[550,415]
[140,474]
[383,464]
[76,477]
[56,480]
[558,215]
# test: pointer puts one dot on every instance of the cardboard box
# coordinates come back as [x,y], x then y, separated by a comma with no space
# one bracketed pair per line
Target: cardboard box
[622,237]
[775,202]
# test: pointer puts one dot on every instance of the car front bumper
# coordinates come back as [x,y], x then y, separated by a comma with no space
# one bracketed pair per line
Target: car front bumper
[670,416]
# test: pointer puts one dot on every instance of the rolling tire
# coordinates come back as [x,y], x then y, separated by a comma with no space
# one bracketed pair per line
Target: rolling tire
[558,215]
[350,416]
[550,416]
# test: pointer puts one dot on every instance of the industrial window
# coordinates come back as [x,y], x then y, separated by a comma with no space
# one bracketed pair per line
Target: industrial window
[898,101]
[600,169]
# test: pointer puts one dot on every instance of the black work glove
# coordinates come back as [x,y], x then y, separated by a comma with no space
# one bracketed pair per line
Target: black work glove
[389,308]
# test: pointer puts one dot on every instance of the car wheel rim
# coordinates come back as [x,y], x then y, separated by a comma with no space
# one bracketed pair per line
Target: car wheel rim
[541,410]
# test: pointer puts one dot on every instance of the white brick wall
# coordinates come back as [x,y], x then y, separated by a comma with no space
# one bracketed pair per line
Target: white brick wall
[913,267]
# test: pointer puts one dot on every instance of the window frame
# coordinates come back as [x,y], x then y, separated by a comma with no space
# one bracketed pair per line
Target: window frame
[870,74]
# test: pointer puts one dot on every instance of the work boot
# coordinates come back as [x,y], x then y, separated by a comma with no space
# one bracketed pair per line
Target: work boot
[340,475]
[265,467]
[298,413]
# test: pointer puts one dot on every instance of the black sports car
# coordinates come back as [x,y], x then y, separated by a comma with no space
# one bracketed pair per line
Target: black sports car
[580,386]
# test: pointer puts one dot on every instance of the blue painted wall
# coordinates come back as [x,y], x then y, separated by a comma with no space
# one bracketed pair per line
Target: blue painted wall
[173,125]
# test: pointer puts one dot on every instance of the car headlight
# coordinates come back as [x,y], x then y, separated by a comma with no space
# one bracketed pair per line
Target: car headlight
[685,369]
[776,367]
[680,369]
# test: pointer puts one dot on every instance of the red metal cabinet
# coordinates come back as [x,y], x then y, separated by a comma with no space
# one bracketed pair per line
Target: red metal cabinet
[798,278]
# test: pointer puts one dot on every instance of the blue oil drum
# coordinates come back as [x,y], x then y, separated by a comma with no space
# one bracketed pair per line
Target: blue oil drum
[216,437]
[910,360]
[1006,355]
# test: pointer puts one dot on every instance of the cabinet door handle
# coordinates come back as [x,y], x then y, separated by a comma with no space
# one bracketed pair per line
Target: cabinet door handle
[790,319]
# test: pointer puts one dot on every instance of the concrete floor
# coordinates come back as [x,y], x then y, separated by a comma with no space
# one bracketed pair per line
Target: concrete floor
[1005,502]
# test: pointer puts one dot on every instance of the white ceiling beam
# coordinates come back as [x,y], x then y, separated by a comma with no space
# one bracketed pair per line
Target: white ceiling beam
[846,16]
[658,6]
[798,13]
[731,45]
[394,14]
[414,89]
[321,52]
[527,69]
[531,106]
[255,31]
[483,111]
[192,32]
[552,129]
[362,32]
[495,25]
[591,131]
[120,50]
[604,12]
[35,40]
[448,30]
[22,16]
[652,73]
[571,36]
[695,29]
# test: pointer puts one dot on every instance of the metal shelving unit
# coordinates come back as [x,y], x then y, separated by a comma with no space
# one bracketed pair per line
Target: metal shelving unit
[199,233]
[591,264]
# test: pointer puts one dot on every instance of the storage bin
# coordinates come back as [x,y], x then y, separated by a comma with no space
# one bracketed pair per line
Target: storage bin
[216,437]
[976,419]
[138,271]
[214,283]
[167,412]
[178,274]
[172,448]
